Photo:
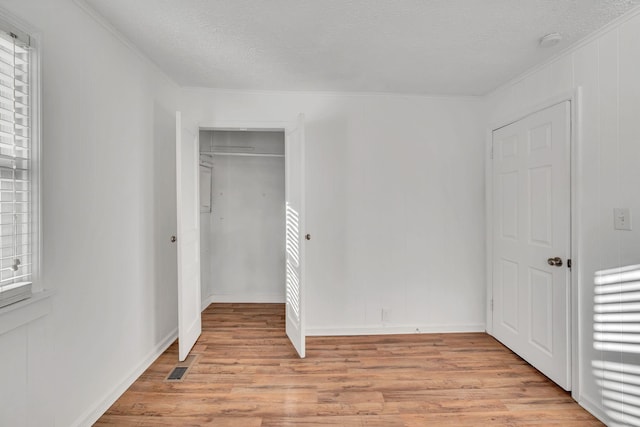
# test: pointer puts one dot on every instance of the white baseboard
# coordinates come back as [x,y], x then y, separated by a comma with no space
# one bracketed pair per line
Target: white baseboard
[206,302]
[100,407]
[244,298]
[593,408]
[389,330]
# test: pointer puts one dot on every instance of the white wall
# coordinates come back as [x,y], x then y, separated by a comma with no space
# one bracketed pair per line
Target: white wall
[243,239]
[395,205]
[109,210]
[25,353]
[607,68]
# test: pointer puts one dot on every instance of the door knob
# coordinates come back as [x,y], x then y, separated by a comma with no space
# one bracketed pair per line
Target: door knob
[555,262]
[173,239]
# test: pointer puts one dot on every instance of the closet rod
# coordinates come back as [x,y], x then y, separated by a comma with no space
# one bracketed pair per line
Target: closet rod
[224,153]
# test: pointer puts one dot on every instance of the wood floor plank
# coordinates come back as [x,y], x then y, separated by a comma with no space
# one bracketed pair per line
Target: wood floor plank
[247,374]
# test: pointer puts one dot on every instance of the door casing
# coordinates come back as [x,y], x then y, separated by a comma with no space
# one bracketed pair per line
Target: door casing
[242,125]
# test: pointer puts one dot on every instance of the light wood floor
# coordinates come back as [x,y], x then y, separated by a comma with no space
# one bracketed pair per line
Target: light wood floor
[247,374]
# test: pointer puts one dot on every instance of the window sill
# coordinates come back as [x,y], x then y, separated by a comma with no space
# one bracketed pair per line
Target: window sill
[20,313]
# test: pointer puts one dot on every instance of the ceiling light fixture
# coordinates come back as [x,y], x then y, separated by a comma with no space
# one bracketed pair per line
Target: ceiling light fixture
[550,40]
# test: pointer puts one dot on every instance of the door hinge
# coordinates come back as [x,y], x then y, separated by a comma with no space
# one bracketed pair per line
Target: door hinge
[569,263]
[491,305]
[491,153]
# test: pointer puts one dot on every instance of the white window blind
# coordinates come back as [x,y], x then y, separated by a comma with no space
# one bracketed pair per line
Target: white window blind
[16,196]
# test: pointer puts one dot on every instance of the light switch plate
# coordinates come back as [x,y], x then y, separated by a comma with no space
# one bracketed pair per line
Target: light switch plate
[622,218]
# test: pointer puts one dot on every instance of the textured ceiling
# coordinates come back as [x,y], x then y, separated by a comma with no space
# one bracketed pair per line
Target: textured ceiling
[458,47]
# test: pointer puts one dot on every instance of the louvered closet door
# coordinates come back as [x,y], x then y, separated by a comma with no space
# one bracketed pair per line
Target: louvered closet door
[531,227]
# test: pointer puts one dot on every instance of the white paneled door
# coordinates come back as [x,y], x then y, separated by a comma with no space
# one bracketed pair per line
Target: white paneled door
[294,195]
[188,216]
[531,239]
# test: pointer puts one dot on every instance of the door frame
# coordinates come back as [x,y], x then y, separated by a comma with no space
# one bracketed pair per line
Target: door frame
[239,125]
[256,125]
[574,97]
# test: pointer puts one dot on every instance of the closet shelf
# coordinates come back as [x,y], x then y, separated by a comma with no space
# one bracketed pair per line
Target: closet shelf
[225,153]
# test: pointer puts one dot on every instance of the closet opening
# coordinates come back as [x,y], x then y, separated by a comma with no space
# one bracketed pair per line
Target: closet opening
[242,216]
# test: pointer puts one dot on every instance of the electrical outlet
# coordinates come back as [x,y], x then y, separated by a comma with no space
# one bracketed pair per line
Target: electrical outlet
[385,314]
[622,219]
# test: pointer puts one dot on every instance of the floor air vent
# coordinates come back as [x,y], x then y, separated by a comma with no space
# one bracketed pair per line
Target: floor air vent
[177,373]
[180,371]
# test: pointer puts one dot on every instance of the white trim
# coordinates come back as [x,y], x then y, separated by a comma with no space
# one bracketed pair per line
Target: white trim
[36,160]
[574,97]
[512,117]
[18,22]
[95,411]
[569,50]
[206,302]
[594,408]
[15,31]
[35,167]
[248,298]
[576,227]
[396,330]
[488,209]
[26,311]
[199,89]
[245,125]
[96,16]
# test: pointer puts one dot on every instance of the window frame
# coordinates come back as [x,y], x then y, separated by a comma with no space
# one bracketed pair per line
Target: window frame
[11,23]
